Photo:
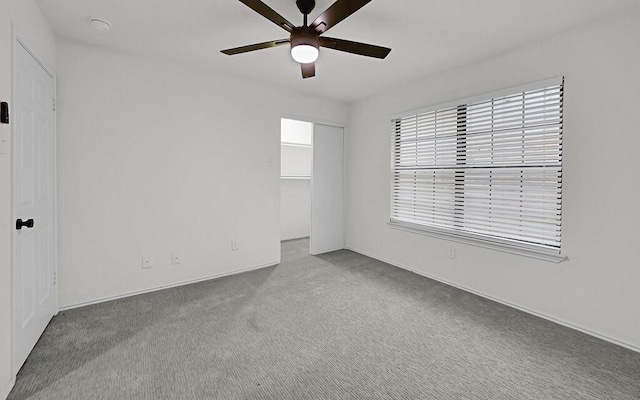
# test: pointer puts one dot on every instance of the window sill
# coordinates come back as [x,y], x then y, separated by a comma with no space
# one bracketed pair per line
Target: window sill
[486,244]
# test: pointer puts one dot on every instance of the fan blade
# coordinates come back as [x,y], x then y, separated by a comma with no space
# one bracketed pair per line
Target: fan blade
[253,47]
[268,13]
[348,46]
[338,11]
[308,70]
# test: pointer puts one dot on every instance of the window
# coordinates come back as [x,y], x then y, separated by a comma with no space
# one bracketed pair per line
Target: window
[485,169]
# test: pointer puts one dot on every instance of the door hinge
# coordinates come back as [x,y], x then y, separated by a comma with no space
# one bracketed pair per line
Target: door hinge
[55,278]
[54,104]
[4,112]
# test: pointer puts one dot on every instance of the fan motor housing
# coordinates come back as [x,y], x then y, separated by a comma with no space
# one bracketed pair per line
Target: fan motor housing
[304,35]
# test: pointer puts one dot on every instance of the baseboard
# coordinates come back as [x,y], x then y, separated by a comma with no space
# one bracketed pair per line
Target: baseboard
[7,390]
[156,288]
[501,301]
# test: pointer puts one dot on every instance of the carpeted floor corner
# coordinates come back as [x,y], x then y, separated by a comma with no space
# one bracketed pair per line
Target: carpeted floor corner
[337,326]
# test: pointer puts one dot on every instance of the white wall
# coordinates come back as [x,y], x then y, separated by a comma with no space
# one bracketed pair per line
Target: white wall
[597,289]
[31,25]
[155,157]
[295,206]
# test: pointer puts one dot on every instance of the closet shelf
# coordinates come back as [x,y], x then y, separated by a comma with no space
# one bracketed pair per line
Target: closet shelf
[295,145]
[296,177]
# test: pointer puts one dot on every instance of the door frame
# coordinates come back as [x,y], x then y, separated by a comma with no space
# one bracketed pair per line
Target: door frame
[318,121]
[18,40]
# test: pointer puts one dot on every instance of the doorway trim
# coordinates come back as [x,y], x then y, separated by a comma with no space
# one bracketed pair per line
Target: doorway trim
[18,40]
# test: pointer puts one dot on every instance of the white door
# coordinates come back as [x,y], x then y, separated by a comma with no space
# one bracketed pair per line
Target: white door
[33,203]
[327,189]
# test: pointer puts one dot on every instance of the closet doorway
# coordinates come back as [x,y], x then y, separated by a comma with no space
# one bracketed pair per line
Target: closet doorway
[312,184]
[295,179]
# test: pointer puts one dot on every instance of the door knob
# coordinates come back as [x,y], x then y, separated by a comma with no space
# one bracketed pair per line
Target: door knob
[20,223]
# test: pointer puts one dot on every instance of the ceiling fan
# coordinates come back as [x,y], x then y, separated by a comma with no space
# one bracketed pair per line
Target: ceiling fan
[306,40]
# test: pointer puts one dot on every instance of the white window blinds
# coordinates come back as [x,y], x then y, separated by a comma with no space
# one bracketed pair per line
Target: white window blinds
[488,168]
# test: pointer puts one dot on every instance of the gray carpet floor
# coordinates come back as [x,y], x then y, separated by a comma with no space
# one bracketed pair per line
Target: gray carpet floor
[337,326]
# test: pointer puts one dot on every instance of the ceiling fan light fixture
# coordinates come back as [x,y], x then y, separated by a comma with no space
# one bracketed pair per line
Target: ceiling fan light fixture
[305,53]
[304,45]
[305,40]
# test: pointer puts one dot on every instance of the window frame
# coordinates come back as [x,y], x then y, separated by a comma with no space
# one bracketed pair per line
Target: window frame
[496,243]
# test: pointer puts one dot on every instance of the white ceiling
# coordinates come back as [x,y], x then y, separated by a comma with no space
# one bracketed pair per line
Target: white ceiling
[427,36]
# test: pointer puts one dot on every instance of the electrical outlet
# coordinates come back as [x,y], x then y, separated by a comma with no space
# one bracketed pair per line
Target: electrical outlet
[452,253]
[175,258]
[234,245]
[147,262]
